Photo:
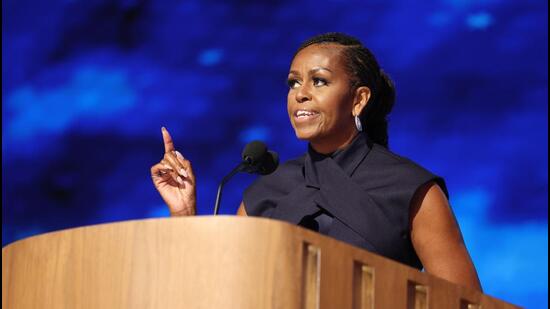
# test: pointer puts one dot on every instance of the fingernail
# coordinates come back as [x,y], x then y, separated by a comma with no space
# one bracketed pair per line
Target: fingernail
[183,173]
[163,129]
[179,155]
[180,180]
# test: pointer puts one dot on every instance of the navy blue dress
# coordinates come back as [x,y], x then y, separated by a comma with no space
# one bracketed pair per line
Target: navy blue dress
[360,195]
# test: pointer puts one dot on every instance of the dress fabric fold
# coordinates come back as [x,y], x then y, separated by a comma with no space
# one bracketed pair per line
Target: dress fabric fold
[360,195]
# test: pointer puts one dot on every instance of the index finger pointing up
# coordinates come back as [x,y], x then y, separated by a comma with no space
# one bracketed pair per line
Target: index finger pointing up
[168,144]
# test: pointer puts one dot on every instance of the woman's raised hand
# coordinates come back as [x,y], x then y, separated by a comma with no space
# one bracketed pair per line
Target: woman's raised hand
[174,179]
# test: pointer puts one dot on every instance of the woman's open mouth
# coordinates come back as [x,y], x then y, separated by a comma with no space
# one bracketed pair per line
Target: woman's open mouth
[304,115]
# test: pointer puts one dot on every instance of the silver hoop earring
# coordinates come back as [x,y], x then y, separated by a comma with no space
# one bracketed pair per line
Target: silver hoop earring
[358,124]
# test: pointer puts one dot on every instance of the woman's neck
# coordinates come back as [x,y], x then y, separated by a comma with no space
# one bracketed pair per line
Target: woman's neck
[329,146]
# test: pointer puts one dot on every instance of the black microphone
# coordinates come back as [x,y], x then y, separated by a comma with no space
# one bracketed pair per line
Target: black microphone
[256,159]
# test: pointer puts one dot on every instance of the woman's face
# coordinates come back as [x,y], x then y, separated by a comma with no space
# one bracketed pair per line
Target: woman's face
[320,99]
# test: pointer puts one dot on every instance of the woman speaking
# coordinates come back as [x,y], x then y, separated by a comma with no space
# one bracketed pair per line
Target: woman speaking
[348,185]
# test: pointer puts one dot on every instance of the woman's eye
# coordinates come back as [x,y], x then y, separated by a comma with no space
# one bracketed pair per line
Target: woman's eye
[319,82]
[292,83]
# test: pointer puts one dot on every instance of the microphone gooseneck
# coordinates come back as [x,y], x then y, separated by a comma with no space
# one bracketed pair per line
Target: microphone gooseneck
[256,159]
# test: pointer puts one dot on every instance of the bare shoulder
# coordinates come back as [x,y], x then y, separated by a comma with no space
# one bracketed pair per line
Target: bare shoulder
[437,239]
[241,211]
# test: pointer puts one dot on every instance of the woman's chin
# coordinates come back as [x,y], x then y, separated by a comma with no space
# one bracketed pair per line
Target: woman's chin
[306,135]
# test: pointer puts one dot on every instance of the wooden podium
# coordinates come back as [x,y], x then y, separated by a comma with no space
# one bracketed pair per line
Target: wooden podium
[214,262]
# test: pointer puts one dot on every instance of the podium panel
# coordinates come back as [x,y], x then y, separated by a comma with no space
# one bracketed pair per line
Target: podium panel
[214,262]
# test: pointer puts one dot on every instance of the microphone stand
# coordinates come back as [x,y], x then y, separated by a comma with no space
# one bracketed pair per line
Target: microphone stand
[249,165]
[224,180]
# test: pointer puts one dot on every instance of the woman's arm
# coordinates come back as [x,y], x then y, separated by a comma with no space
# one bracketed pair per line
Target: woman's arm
[437,239]
[241,211]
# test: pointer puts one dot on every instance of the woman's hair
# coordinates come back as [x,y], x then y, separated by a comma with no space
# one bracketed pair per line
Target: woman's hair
[364,71]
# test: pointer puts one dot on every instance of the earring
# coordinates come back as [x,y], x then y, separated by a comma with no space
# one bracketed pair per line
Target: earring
[358,124]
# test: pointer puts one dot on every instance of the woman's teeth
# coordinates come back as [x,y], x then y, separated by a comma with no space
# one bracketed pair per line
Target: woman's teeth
[303,113]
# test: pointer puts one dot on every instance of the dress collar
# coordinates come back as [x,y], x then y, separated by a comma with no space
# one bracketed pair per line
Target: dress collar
[347,158]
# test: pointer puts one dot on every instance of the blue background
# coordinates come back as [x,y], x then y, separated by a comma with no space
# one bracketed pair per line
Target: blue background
[87,85]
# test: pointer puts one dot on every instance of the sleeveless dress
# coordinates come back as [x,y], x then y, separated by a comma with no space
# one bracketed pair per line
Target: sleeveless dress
[360,195]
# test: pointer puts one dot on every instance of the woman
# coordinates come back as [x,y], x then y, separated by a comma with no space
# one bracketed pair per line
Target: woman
[348,185]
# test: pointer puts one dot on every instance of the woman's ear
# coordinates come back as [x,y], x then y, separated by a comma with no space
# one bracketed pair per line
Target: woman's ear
[362,96]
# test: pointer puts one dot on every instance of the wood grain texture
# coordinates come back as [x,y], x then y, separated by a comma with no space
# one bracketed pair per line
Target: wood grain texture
[203,262]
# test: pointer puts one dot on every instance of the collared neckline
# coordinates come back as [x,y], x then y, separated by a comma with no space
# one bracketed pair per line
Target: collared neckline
[347,158]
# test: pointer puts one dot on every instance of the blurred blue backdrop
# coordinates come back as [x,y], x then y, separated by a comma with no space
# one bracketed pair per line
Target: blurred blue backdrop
[87,85]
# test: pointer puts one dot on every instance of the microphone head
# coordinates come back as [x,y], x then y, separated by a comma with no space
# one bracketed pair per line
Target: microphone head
[254,152]
[258,160]
[270,163]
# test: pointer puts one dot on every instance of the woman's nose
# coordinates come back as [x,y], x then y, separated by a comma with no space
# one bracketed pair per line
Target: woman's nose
[303,94]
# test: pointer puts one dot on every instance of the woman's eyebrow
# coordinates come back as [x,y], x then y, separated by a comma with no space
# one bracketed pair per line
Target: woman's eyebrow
[317,69]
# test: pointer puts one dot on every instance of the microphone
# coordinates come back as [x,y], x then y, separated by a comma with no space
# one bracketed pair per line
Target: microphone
[256,159]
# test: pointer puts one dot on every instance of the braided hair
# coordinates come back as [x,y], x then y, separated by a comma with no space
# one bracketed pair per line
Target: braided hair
[364,71]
